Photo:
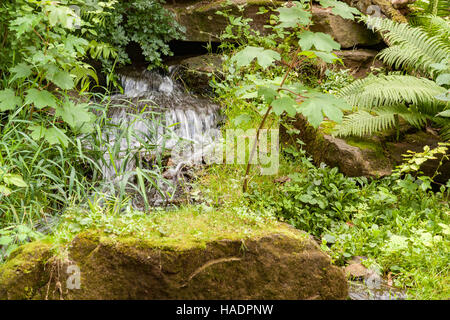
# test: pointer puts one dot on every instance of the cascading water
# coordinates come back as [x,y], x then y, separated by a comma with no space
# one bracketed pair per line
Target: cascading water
[159,113]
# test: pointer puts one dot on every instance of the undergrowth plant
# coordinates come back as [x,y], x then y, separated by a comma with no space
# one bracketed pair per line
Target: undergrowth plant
[284,95]
[419,94]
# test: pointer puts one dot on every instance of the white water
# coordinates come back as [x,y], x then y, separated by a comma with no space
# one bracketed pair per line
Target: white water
[179,115]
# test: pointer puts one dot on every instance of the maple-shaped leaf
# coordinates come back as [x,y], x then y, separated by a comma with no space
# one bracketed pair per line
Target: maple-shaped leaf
[61,78]
[284,104]
[9,100]
[293,16]
[52,135]
[75,115]
[20,71]
[267,93]
[265,57]
[40,98]
[327,57]
[320,105]
[318,40]
[340,8]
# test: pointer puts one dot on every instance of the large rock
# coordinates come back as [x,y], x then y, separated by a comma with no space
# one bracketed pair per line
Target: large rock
[203,24]
[196,72]
[374,156]
[359,61]
[347,32]
[285,264]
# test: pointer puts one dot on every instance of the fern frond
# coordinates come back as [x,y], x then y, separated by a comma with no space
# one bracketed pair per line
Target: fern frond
[433,25]
[444,124]
[363,122]
[390,90]
[416,49]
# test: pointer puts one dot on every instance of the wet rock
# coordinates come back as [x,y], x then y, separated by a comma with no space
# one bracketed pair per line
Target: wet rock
[356,271]
[196,72]
[347,32]
[374,156]
[278,265]
[359,61]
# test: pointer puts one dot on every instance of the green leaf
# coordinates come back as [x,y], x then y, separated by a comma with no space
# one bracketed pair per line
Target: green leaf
[56,136]
[318,40]
[41,99]
[340,9]
[59,77]
[293,16]
[5,190]
[443,79]
[9,100]
[269,94]
[322,104]
[20,71]
[14,179]
[37,132]
[5,240]
[445,113]
[249,53]
[284,104]
[243,118]
[74,115]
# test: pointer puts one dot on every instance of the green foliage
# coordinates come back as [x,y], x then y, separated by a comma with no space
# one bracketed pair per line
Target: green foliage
[397,222]
[382,99]
[122,22]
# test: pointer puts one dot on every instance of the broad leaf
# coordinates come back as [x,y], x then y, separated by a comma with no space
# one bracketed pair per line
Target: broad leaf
[269,94]
[293,16]
[21,71]
[249,53]
[318,40]
[14,179]
[9,100]
[41,99]
[322,104]
[340,8]
[443,79]
[284,104]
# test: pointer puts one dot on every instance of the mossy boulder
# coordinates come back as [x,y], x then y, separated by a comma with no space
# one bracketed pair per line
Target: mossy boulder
[203,24]
[282,263]
[374,156]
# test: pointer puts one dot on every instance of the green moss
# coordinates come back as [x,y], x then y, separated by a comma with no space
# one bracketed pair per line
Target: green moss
[365,144]
[327,127]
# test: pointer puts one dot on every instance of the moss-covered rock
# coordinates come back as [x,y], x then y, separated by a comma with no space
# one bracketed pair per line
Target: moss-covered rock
[374,156]
[279,263]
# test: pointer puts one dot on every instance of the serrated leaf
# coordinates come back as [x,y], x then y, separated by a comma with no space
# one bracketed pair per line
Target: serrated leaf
[56,136]
[293,16]
[340,9]
[249,53]
[322,104]
[320,41]
[20,71]
[74,115]
[284,104]
[37,132]
[59,77]
[9,100]
[267,93]
[5,240]
[40,98]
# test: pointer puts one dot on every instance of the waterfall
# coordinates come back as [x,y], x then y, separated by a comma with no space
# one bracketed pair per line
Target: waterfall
[160,113]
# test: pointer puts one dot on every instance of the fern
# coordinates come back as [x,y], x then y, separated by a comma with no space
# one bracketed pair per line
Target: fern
[410,48]
[365,122]
[389,90]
